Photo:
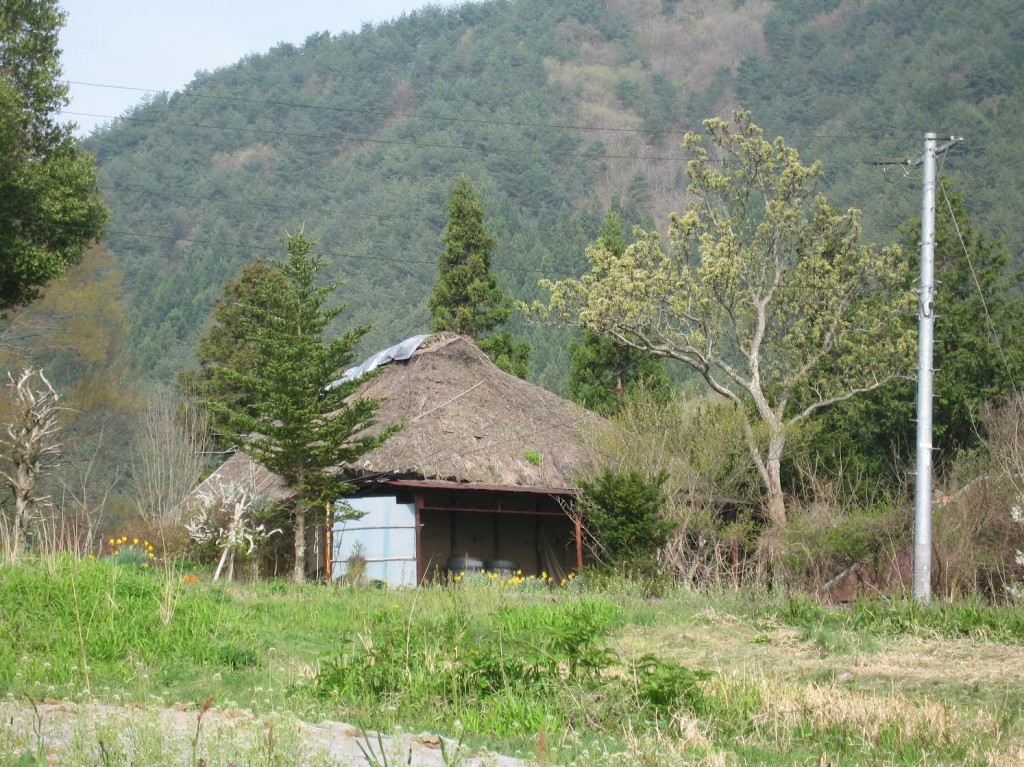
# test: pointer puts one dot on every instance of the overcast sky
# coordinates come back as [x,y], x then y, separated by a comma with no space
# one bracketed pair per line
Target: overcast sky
[162,44]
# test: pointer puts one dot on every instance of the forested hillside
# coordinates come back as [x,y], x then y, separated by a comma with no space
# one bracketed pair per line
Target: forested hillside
[556,111]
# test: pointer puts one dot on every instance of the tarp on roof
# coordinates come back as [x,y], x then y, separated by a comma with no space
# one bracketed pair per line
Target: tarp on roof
[400,351]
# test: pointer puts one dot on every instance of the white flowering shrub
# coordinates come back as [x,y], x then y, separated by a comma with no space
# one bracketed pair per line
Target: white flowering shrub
[228,516]
[1016,590]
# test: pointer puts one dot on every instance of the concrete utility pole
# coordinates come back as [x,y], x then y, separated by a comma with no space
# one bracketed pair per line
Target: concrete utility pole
[925,335]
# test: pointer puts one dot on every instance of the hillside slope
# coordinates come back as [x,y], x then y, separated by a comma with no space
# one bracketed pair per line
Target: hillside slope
[556,110]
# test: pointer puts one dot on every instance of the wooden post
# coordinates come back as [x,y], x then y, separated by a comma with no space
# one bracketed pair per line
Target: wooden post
[328,544]
[579,546]
[421,571]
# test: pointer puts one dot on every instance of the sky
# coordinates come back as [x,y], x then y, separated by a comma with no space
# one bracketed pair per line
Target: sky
[160,45]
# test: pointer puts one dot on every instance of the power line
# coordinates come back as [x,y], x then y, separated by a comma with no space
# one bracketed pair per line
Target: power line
[390,113]
[389,142]
[981,294]
[277,249]
[457,118]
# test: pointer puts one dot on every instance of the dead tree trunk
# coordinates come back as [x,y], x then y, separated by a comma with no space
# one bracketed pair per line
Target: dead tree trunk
[29,448]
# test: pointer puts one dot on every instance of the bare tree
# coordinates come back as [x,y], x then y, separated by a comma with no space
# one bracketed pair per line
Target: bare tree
[169,454]
[28,448]
[85,492]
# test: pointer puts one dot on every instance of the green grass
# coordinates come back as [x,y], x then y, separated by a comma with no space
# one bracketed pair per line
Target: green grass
[597,674]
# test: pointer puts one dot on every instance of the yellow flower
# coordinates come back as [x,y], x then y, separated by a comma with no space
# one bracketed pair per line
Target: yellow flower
[135,541]
[111,541]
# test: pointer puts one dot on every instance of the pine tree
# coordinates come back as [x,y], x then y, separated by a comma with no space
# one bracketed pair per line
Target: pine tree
[228,344]
[466,297]
[287,417]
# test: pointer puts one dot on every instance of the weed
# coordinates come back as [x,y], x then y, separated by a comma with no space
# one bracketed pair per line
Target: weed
[199,731]
[599,674]
[533,457]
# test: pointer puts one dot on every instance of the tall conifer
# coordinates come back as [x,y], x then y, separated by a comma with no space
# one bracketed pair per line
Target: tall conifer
[466,297]
[280,409]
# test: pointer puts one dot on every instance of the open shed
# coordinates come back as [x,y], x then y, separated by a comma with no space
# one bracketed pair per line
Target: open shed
[483,470]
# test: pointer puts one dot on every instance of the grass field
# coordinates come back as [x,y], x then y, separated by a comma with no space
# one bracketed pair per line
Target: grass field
[590,674]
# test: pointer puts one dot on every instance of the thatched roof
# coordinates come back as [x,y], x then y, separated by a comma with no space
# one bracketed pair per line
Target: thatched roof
[469,421]
[464,420]
[240,469]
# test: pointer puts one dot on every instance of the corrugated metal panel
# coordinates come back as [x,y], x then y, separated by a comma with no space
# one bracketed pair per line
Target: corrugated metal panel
[400,351]
[387,534]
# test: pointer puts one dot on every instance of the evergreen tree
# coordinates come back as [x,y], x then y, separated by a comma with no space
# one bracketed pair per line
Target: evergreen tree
[978,354]
[466,297]
[50,207]
[281,410]
[601,370]
[228,344]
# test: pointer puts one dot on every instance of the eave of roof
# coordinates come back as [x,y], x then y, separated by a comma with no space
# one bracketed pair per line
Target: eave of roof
[433,484]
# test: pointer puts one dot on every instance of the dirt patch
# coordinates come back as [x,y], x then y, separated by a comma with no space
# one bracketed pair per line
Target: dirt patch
[78,733]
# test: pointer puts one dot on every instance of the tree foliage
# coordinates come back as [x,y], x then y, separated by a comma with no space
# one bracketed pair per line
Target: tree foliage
[978,353]
[602,371]
[466,298]
[50,209]
[624,513]
[228,344]
[765,291]
[287,413]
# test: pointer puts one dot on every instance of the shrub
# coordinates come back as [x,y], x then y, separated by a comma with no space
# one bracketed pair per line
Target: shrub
[623,512]
[818,545]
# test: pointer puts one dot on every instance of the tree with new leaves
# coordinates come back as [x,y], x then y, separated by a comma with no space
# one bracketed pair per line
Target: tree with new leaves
[466,298]
[283,410]
[765,290]
[50,207]
[603,371]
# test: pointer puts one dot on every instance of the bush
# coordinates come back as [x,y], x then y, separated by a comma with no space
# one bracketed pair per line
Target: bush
[711,488]
[623,512]
[819,545]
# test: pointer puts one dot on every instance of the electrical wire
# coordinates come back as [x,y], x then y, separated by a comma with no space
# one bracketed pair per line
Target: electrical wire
[977,283]
[391,142]
[455,118]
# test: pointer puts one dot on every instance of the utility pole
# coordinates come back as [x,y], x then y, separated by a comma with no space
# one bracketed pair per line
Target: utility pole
[925,371]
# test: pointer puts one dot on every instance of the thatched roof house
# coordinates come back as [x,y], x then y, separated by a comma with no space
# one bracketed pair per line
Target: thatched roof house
[482,468]
[465,420]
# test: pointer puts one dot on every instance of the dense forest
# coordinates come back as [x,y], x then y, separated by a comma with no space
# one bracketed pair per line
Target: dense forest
[557,111]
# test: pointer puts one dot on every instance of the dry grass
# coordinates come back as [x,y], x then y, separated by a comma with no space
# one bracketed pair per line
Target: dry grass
[905,677]
[868,715]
